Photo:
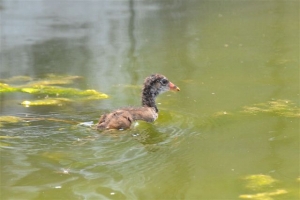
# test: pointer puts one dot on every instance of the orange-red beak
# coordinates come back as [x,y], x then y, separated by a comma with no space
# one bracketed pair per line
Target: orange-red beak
[173,87]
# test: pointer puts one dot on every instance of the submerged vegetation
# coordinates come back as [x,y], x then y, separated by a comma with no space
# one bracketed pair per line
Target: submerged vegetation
[48,79]
[5,88]
[9,120]
[284,108]
[259,182]
[61,91]
[264,195]
[263,184]
[47,102]
[48,89]
[280,108]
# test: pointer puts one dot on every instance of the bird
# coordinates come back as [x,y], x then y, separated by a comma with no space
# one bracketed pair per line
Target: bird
[122,119]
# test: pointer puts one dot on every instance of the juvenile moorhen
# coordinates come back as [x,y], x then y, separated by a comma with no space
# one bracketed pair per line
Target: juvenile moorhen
[123,118]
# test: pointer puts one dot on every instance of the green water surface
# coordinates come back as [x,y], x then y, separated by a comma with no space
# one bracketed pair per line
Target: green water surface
[232,132]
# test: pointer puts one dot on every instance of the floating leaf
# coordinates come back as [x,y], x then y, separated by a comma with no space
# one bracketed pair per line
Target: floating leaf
[47,102]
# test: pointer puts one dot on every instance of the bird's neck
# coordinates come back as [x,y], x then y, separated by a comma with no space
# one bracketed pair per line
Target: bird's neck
[148,98]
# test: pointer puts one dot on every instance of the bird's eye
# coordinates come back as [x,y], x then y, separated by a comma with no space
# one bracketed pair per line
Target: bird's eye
[164,81]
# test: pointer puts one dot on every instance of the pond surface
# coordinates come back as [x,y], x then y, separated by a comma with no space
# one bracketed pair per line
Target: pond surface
[232,132]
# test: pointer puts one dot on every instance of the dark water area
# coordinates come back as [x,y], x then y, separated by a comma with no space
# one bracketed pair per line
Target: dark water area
[232,132]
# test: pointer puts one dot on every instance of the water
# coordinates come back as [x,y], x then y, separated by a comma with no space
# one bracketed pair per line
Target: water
[227,57]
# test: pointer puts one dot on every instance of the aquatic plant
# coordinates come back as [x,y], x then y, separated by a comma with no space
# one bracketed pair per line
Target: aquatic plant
[61,91]
[9,119]
[16,79]
[47,101]
[80,95]
[278,107]
[53,94]
[263,195]
[259,181]
[262,183]
[48,79]
[4,88]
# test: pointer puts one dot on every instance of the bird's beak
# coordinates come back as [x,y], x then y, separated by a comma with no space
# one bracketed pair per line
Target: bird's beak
[173,87]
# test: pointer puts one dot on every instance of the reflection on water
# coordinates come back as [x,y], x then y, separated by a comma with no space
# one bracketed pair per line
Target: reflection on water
[236,116]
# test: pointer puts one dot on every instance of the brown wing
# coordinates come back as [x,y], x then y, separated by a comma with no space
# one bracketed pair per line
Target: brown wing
[119,119]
